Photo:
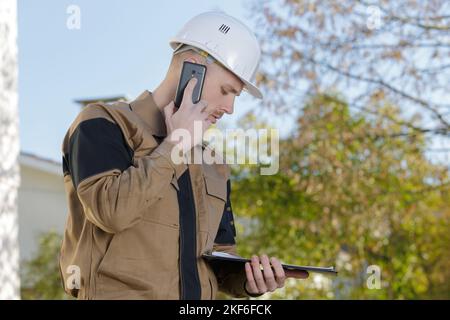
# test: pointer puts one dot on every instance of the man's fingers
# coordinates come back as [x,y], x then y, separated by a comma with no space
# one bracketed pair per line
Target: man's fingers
[268,274]
[280,275]
[168,110]
[201,106]
[251,284]
[257,274]
[199,110]
[187,94]
[206,124]
[297,274]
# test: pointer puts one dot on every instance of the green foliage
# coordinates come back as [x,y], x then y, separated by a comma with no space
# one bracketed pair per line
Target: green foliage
[352,191]
[41,276]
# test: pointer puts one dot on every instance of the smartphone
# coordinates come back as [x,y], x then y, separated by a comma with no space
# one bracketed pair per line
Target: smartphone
[190,70]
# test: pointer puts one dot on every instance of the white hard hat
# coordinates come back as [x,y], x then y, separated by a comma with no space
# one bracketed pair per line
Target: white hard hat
[226,39]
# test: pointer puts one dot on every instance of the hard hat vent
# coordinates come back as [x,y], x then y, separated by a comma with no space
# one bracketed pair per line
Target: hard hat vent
[224,28]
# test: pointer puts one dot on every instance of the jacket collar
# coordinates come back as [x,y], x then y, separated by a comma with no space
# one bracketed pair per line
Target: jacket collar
[144,105]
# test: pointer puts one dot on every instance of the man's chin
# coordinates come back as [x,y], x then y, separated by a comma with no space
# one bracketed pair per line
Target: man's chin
[213,120]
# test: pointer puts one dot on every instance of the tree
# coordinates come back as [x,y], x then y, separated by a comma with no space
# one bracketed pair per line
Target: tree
[41,278]
[367,50]
[9,152]
[352,191]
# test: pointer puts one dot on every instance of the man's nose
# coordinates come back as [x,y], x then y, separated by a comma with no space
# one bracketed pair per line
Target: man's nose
[229,109]
[229,106]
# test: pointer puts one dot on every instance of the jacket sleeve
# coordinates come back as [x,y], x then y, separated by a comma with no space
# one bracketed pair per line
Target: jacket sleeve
[114,190]
[231,282]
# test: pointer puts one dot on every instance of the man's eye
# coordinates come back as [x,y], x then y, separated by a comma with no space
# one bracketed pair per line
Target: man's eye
[223,92]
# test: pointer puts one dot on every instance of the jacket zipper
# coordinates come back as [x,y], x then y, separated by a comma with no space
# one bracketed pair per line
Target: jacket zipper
[180,262]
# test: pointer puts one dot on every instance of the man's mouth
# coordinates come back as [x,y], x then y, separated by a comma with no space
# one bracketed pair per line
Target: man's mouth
[215,118]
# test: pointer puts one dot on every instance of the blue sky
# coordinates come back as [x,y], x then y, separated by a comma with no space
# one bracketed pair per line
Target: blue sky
[121,48]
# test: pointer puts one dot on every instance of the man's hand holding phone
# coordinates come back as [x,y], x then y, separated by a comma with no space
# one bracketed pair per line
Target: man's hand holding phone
[181,122]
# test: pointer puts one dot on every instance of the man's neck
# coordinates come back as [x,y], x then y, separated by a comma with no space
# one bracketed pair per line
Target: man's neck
[164,93]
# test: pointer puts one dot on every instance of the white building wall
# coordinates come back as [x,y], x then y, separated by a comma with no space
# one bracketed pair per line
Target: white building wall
[42,204]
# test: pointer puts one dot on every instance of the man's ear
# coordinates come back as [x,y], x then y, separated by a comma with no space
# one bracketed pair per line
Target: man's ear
[191,59]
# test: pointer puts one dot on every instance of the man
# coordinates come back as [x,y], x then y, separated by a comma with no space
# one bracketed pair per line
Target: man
[139,221]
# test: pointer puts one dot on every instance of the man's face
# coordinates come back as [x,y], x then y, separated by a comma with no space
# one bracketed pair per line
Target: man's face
[220,89]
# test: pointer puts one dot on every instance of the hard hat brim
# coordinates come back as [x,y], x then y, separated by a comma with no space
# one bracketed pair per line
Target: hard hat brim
[251,89]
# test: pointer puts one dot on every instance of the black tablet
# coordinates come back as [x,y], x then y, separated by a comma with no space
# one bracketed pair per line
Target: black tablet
[216,256]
